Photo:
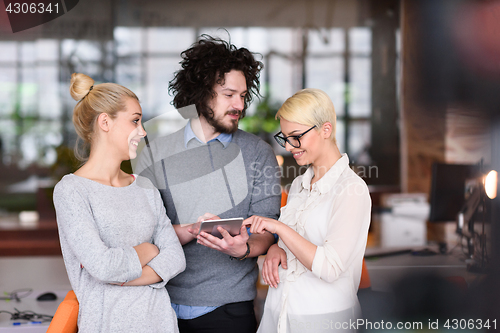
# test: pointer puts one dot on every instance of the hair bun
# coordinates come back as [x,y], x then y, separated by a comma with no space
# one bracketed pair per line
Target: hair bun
[80,85]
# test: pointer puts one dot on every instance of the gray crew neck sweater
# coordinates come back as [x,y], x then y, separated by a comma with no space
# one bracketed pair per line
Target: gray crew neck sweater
[98,227]
[239,180]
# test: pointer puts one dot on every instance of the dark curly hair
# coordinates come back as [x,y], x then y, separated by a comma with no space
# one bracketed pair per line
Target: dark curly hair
[205,64]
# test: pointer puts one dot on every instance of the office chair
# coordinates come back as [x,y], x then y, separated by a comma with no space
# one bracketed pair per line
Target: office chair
[66,318]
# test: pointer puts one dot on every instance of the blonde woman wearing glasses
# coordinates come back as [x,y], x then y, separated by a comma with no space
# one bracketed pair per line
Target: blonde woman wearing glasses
[322,229]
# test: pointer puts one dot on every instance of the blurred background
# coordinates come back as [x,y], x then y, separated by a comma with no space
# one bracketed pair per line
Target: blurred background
[323,44]
[414,83]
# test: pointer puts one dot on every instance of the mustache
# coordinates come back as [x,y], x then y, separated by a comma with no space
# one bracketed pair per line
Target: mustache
[234,112]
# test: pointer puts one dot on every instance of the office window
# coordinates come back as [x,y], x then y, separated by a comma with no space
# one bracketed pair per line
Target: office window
[339,63]
[34,77]
[30,103]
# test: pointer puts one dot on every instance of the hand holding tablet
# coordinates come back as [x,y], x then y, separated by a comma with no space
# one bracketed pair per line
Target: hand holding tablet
[232,226]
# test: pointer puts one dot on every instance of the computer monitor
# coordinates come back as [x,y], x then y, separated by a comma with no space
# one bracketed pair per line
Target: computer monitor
[448,189]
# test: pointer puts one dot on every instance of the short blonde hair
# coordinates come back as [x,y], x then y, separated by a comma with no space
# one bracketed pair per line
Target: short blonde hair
[309,107]
[93,100]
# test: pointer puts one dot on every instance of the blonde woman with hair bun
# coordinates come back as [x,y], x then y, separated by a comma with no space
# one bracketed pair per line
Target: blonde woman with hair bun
[314,270]
[118,244]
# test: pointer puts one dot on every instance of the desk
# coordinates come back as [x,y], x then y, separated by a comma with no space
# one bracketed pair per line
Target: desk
[410,287]
[41,239]
[42,274]
[27,304]
[385,271]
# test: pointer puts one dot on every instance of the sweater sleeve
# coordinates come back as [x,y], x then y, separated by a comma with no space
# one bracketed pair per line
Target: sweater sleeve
[347,231]
[79,234]
[170,261]
[266,187]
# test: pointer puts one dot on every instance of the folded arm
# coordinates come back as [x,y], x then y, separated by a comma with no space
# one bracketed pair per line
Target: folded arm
[77,228]
[171,260]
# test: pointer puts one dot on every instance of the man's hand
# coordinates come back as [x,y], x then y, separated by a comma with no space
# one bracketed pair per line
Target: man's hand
[207,217]
[187,232]
[270,273]
[193,229]
[234,246]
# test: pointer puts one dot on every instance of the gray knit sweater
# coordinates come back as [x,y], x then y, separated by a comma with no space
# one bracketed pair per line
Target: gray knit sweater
[98,227]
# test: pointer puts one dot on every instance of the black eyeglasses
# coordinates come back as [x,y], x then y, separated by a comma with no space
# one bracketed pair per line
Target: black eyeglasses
[293,140]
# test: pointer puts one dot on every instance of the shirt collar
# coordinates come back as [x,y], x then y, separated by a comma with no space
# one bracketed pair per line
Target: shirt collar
[189,135]
[330,177]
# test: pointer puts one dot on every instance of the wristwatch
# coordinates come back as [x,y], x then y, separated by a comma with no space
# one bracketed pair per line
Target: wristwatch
[244,256]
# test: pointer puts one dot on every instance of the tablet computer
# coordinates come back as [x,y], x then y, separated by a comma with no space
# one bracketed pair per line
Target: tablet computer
[233,226]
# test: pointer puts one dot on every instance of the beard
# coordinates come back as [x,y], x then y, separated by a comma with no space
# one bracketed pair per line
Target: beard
[221,127]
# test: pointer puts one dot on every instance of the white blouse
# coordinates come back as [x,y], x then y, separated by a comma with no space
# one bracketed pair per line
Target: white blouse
[333,214]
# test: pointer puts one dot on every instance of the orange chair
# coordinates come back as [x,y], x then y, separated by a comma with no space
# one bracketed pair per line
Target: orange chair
[66,318]
[459,282]
[284,197]
[365,281]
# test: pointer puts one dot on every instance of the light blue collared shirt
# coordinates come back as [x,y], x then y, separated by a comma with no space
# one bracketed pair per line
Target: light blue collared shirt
[191,312]
[189,135]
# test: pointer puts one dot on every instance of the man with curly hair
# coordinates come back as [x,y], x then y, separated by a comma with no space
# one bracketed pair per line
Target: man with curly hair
[208,168]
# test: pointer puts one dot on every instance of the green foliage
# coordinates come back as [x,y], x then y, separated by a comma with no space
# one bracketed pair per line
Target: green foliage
[263,120]
[65,163]
[16,202]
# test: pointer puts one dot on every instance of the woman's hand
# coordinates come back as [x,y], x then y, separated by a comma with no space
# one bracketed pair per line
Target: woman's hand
[259,225]
[270,273]
[303,249]
[146,252]
[148,276]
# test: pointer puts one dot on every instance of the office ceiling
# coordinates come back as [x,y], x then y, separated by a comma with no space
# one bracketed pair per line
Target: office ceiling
[95,19]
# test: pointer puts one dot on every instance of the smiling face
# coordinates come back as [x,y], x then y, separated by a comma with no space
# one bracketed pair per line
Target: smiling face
[127,130]
[311,144]
[228,103]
